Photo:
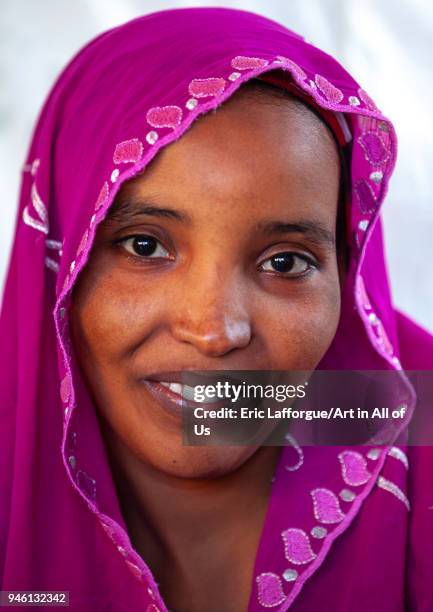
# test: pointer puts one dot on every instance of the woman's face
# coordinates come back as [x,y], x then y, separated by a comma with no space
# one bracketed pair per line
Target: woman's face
[220,256]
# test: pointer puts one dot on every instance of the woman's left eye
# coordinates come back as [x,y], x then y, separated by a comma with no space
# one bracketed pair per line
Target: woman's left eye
[144,246]
[288,264]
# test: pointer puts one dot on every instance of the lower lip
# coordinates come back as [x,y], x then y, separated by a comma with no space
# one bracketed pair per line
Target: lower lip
[173,403]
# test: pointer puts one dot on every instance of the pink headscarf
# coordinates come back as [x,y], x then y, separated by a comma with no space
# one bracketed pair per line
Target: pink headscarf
[336,515]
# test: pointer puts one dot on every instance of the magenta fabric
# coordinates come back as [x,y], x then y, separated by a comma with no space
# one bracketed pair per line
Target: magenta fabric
[128,93]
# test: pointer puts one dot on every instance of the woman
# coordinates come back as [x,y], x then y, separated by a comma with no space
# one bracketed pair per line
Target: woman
[184,207]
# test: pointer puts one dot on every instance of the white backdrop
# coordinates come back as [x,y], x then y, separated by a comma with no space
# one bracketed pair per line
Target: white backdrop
[387,45]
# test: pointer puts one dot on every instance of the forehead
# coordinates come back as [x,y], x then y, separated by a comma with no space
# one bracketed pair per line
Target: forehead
[252,151]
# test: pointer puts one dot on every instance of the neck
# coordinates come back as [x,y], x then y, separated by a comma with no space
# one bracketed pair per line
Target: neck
[189,530]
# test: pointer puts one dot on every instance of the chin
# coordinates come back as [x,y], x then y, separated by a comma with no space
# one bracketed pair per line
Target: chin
[203,462]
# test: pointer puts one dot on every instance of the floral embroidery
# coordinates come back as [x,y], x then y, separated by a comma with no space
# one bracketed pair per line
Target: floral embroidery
[240,62]
[270,590]
[297,548]
[65,388]
[128,151]
[354,468]
[326,506]
[297,70]
[365,196]
[367,100]
[332,93]
[375,150]
[164,116]
[202,88]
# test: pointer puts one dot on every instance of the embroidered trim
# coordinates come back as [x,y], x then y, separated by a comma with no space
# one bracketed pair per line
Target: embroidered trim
[365,196]
[398,454]
[326,506]
[297,547]
[51,264]
[32,167]
[54,244]
[42,224]
[270,590]
[298,449]
[202,88]
[332,93]
[241,62]
[128,151]
[164,116]
[375,150]
[354,468]
[391,487]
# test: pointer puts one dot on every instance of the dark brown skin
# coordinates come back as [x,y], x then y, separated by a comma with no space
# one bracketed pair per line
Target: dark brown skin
[210,298]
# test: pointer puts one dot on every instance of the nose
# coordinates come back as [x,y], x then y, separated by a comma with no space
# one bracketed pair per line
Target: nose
[212,313]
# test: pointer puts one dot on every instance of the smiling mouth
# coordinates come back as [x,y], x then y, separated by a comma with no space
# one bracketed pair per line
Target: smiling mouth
[175,397]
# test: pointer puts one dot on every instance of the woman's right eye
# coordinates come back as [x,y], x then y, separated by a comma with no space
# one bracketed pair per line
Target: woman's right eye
[144,246]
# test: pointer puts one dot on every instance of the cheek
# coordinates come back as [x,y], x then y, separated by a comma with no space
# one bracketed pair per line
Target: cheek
[110,317]
[300,329]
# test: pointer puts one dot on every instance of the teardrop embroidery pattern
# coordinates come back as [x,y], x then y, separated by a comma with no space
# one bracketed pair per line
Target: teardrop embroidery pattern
[375,150]
[128,151]
[270,590]
[164,116]
[326,506]
[331,93]
[365,196]
[354,468]
[297,548]
[240,62]
[203,88]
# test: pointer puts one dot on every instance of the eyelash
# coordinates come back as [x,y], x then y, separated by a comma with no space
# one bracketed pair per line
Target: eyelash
[146,259]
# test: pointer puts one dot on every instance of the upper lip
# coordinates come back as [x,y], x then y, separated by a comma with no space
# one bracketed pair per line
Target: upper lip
[198,376]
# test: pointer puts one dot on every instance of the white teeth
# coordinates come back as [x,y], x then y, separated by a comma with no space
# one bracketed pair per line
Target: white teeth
[186,391]
[176,388]
[173,386]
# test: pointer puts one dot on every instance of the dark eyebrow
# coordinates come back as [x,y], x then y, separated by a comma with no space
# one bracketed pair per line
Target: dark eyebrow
[125,210]
[314,231]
